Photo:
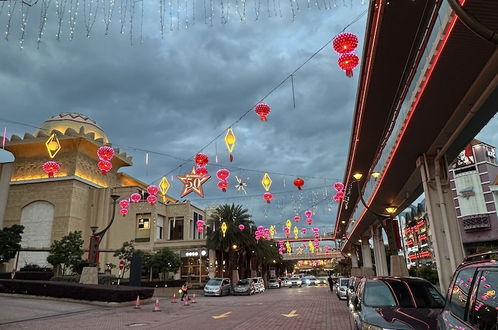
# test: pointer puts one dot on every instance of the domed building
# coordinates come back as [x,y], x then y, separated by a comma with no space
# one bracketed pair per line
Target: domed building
[76,196]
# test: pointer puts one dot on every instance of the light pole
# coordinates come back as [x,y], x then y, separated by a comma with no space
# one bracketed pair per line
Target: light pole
[96,238]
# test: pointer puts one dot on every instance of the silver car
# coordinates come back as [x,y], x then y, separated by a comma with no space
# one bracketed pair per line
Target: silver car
[217,287]
[342,288]
[244,286]
[273,284]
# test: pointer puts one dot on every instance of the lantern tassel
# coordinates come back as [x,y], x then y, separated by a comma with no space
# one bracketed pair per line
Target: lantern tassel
[231,158]
[299,188]
[349,73]
[268,202]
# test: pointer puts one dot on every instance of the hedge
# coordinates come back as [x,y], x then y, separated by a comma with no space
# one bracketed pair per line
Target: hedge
[34,275]
[75,290]
[102,278]
[159,284]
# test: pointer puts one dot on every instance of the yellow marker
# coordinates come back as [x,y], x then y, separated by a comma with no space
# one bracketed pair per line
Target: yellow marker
[266,181]
[221,315]
[291,314]
[224,228]
[288,224]
[272,231]
[230,142]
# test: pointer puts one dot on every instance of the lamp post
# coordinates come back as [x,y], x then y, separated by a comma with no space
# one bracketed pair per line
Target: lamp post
[96,238]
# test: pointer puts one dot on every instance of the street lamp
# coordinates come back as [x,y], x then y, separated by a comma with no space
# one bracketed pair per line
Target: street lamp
[96,238]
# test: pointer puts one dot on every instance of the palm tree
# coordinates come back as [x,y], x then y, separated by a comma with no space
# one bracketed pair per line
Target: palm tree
[235,240]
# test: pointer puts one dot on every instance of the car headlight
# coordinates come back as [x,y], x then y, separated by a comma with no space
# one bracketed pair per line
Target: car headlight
[307,281]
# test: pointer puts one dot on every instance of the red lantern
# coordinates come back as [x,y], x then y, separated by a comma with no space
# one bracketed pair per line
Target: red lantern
[135,197]
[200,226]
[268,197]
[309,221]
[124,203]
[262,110]
[105,153]
[303,230]
[104,166]
[348,62]
[308,213]
[152,199]
[201,170]
[297,218]
[241,227]
[339,186]
[223,185]
[299,183]
[123,212]
[51,168]
[223,174]
[201,159]
[152,189]
[345,43]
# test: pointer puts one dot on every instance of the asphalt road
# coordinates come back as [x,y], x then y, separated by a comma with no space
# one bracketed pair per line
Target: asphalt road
[296,308]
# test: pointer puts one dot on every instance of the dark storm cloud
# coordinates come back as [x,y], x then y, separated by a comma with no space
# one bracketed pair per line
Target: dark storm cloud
[176,94]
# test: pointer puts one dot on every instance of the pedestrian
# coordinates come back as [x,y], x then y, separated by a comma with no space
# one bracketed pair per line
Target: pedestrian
[331,283]
[184,290]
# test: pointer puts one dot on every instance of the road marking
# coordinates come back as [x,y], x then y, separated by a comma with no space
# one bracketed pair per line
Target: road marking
[291,314]
[221,315]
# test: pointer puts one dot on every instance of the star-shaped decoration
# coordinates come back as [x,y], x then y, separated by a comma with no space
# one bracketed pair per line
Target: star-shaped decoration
[241,185]
[193,182]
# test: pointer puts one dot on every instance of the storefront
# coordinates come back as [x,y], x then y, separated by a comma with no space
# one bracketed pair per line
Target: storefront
[194,268]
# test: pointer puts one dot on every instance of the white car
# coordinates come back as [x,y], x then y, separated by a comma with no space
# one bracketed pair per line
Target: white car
[273,284]
[259,284]
[295,281]
[310,280]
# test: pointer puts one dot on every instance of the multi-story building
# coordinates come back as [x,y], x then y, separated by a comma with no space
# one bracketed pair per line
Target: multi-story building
[417,237]
[473,178]
[78,197]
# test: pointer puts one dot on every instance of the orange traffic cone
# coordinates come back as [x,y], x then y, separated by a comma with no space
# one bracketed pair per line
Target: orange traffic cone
[137,303]
[156,306]
[186,301]
[193,299]
[173,300]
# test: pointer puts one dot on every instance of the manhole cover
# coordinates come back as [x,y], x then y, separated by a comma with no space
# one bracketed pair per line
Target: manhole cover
[136,324]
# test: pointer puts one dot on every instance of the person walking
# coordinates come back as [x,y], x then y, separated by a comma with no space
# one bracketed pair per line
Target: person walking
[331,283]
[184,290]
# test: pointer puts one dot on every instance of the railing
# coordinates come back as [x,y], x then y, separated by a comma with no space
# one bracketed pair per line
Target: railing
[317,255]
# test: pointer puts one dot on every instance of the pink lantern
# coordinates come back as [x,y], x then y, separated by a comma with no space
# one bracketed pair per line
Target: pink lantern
[261,228]
[281,243]
[135,197]
[123,212]
[308,213]
[268,197]
[339,186]
[297,218]
[124,203]
[201,170]
[309,221]
[223,174]
[51,168]
[223,185]
[303,230]
[152,199]
[287,234]
[153,189]
[316,230]
[105,153]
[241,227]
[200,226]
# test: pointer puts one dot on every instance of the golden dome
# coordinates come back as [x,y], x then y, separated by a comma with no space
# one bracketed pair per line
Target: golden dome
[65,120]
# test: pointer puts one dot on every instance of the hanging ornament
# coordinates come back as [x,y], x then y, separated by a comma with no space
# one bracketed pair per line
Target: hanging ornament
[297,218]
[153,189]
[262,110]
[339,186]
[135,197]
[288,224]
[347,62]
[266,181]
[164,187]
[304,230]
[124,203]
[308,213]
[152,199]
[345,42]
[105,153]
[51,168]
[268,197]
[223,185]
[230,142]
[309,221]
[193,182]
[272,231]
[288,247]
[223,228]
[296,232]
[52,144]
[201,170]
[123,212]
[299,183]
[241,227]
[201,159]
[200,226]
[222,174]
[240,185]
[104,166]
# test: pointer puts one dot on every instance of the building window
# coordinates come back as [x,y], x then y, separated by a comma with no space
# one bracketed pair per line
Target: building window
[159,227]
[175,228]
[143,223]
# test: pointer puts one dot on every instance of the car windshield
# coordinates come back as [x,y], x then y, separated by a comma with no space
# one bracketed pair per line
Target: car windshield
[273,280]
[243,282]
[377,294]
[343,282]
[295,278]
[214,282]
[426,295]
[255,280]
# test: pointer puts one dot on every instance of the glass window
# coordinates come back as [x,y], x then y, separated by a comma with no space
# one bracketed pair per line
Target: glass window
[377,294]
[176,228]
[484,313]
[214,282]
[426,295]
[460,292]
[402,293]
[143,223]
[159,227]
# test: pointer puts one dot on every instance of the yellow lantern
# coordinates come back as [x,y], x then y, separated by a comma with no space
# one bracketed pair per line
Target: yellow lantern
[230,142]
[288,247]
[164,187]
[266,181]
[224,228]
[296,232]
[288,224]
[272,231]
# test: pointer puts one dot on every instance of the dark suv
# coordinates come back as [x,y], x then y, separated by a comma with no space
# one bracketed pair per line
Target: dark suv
[472,299]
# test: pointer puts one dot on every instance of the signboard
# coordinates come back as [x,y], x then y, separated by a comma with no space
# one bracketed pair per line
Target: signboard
[465,157]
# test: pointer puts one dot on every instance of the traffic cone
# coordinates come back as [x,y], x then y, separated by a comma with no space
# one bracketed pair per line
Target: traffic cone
[156,306]
[193,299]
[137,303]
[186,301]
[173,300]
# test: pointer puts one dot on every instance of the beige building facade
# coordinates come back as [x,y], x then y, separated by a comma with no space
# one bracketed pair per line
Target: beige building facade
[78,197]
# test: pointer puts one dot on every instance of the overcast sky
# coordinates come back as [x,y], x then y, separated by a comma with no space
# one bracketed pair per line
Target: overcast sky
[173,95]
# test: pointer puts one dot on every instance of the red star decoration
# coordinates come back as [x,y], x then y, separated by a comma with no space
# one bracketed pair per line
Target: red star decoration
[193,183]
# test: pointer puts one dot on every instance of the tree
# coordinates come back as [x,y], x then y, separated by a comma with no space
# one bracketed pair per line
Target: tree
[67,251]
[165,260]
[10,242]
[126,253]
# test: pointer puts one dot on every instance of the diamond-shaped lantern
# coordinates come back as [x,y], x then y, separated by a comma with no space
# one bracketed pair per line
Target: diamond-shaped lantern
[53,145]
[230,142]
[266,181]
[164,187]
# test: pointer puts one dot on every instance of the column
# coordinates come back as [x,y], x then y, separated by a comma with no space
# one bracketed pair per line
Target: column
[443,222]
[354,260]
[379,252]
[212,263]
[366,255]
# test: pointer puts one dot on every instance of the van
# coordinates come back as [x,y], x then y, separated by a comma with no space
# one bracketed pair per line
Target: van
[217,287]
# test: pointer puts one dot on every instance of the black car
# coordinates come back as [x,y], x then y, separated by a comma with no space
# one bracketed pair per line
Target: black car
[472,299]
[395,303]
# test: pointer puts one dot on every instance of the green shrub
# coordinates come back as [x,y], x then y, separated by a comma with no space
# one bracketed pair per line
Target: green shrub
[34,275]
[34,268]
[425,272]
[66,278]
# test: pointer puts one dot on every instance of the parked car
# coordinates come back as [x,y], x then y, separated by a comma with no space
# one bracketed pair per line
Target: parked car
[352,286]
[295,281]
[396,303]
[273,283]
[310,280]
[342,287]
[322,280]
[472,299]
[244,286]
[284,281]
[259,284]
[217,287]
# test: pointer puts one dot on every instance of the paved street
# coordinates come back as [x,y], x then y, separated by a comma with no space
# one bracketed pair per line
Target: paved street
[303,308]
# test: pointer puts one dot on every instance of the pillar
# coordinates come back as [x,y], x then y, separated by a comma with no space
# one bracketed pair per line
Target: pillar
[379,252]
[366,254]
[5,174]
[354,260]
[212,263]
[443,223]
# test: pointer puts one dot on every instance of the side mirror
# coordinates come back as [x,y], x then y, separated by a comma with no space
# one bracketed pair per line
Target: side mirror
[356,304]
